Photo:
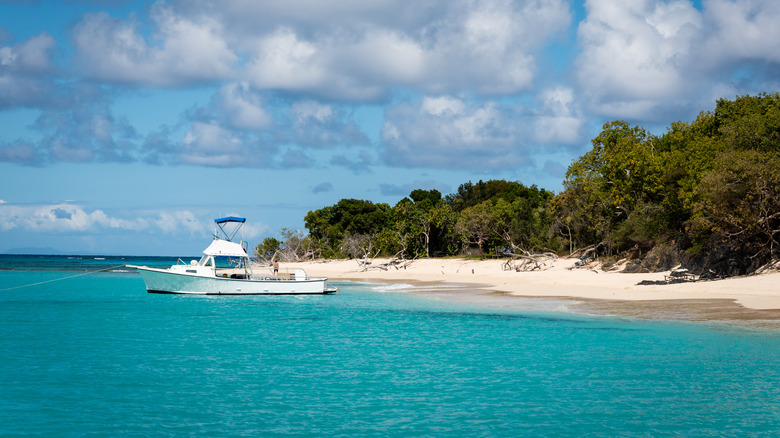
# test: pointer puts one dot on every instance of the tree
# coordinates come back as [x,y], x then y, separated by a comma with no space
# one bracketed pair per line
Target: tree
[750,122]
[330,225]
[268,248]
[582,212]
[739,205]
[470,194]
[423,221]
[708,186]
[519,214]
[604,187]
[294,246]
[359,246]
[477,224]
[408,226]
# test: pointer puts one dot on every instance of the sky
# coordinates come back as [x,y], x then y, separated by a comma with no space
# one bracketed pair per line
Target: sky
[126,127]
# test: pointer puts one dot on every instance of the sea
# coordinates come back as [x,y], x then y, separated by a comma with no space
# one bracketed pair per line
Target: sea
[86,351]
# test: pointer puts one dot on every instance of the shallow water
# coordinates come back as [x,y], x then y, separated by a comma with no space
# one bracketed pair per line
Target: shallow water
[97,355]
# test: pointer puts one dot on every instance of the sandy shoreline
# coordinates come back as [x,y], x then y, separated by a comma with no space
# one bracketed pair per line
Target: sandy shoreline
[745,298]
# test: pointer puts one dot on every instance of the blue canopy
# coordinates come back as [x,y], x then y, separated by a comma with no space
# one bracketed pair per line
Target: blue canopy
[230,219]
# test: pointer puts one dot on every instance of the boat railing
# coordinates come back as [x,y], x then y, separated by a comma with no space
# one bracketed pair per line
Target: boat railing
[281,276]
[230,272]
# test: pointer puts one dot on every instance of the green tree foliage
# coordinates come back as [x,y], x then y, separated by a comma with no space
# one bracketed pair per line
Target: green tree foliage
[268,248]
[501,214]
[738,204]
[733,197]
[712,184]
[708,184]
[605,187]
[348,216]
[470,194]
[408,228]
[330,225]
[424,223]
[294,246]
[477,225]
[750,122]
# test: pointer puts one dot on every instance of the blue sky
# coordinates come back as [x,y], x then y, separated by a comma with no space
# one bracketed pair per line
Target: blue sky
[127,126]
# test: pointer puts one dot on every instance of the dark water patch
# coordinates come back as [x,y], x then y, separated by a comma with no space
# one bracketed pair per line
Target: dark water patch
[306,318]
[488,315]
[706,310]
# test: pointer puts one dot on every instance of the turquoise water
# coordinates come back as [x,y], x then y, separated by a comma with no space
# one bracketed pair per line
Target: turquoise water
[97,355]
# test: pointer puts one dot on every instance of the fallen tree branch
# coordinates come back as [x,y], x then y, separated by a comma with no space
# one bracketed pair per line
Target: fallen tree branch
[394,262]
[525,261]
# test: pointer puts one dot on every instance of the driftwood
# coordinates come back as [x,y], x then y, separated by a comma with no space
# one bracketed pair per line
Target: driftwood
[588,252]
[613,267]
[585,256]
[679,275]
[396,262]
[773,266]
[525,261]
[366,265]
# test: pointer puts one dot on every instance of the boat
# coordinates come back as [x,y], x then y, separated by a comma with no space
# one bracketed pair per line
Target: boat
[226,269]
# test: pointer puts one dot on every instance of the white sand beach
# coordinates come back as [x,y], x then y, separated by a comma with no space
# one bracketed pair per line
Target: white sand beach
[758,293]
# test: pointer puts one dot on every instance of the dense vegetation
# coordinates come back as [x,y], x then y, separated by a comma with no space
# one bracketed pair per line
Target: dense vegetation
[706,193]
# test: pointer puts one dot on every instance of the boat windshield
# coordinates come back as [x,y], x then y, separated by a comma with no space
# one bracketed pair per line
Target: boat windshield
[225,262]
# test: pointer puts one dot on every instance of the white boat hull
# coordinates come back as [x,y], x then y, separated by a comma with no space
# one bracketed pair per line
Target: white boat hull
[166,282]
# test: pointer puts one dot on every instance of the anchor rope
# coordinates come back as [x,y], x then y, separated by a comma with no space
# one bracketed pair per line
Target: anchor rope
[63,278]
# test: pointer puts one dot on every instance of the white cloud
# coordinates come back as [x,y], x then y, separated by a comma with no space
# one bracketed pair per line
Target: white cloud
[32,55]
[559,120]
[443,105]
[65,151]
[386,55]
[243,108]
[283,61]
[306,110]
[488,47]
[322,126]
[361,55]
[20,153]
[67,217]
[652,60]
[459,133]
[253,230]
[236,130]
[174,222]
[635,51]
[7,57]
[447,132]
[185,51]
[23,69]
[291,75]
[209,144]
[62,218]
[742,30]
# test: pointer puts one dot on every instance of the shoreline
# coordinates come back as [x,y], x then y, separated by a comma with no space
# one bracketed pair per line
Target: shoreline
[750,300]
